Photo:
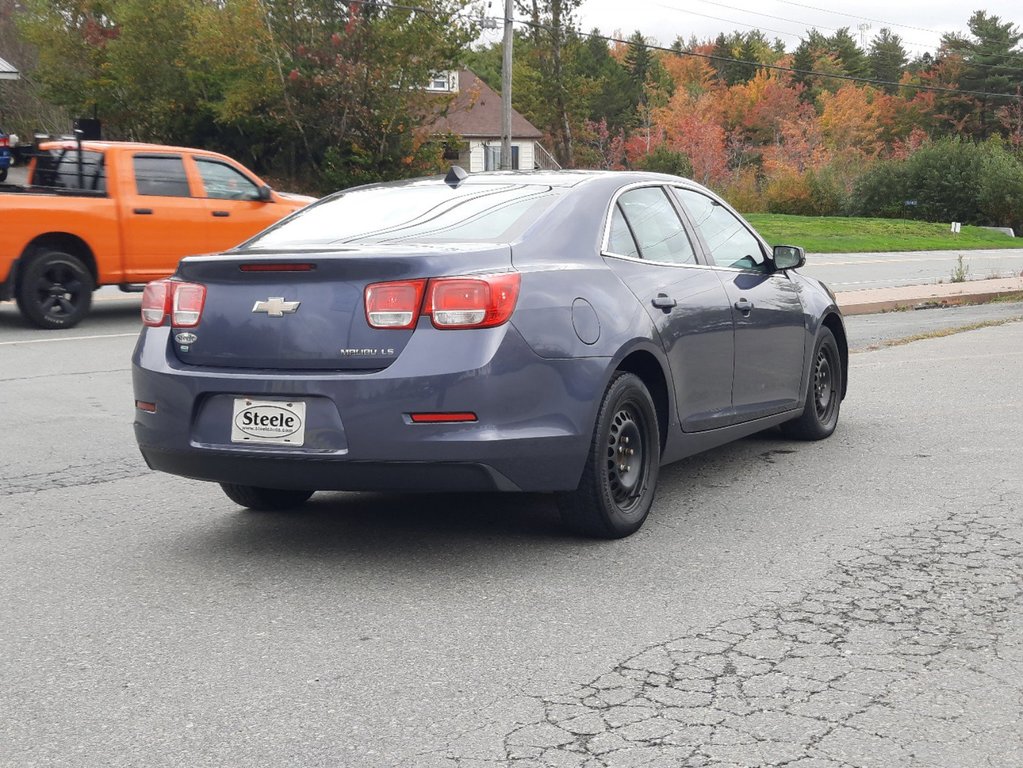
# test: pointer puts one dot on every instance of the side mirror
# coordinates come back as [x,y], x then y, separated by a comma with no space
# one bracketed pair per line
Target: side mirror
[264,195]
[788,257]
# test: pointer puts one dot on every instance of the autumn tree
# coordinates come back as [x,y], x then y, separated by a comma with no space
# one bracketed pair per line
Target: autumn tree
[552,34]
[24,107]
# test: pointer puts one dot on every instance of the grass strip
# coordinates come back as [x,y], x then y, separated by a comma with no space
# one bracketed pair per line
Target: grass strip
[837,234]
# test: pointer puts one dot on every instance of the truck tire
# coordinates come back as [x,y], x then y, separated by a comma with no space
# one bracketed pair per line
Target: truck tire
[54,290]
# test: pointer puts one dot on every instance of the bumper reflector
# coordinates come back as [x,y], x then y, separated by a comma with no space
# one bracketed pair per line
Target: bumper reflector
[454,417]
[144,406]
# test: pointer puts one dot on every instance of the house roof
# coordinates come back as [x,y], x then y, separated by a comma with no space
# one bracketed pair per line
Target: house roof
[476,112]
[7,71]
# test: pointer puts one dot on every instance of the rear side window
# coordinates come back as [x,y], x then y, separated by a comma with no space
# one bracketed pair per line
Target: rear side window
[656,227]
[161,176]
[621,242]
[61,169]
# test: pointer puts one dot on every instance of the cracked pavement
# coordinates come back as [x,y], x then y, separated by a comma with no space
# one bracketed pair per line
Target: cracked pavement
[855,602]
[907,653]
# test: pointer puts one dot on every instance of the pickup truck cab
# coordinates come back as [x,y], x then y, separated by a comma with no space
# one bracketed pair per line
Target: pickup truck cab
[113,213]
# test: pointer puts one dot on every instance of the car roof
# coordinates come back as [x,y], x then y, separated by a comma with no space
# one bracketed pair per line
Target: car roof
[565,178]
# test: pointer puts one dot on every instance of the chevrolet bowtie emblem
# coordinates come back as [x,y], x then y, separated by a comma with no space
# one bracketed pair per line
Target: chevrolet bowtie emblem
[276,306]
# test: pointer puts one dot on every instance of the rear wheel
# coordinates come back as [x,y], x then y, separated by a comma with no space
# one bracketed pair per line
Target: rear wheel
[55,290]
[617,486]
[3,174]
[824,395]
[265,499]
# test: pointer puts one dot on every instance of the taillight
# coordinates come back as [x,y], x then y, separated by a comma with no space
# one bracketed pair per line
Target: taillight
[156,302]
[394,305]
[183,302]
[4,141]
[472,302]
[189,299]
[451,302]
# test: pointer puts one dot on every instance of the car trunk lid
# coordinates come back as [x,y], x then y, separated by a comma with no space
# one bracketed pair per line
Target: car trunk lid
[306,310]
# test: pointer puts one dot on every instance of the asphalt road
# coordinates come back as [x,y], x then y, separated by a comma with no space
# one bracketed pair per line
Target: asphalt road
[855,271]
[852,602]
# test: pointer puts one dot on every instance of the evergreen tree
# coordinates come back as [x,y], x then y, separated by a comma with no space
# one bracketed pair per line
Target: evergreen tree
[727,51]
[809,50]
[993,64]
[887,58]
[852,58]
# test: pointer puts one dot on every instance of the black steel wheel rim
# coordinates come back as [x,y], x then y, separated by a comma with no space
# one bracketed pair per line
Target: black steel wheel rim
[825,390]
[627,469]
[59,290]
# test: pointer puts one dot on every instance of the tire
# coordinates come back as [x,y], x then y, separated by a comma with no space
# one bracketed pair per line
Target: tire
[610,503]
[3,174]
[54,290]
[265,499]
[823,395]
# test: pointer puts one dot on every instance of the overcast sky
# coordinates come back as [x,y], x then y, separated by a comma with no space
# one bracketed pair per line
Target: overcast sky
[919,23]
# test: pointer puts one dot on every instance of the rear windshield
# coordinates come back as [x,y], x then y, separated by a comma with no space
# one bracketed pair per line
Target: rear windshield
[416,212]
[60,168]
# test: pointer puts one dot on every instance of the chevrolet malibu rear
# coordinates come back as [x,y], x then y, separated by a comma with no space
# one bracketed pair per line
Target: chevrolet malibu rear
[564,333]
[368,344]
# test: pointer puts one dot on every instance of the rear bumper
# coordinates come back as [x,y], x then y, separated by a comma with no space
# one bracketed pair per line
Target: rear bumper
[317,474]
[535,418]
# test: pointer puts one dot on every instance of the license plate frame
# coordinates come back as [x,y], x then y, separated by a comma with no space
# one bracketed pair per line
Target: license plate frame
[268,422]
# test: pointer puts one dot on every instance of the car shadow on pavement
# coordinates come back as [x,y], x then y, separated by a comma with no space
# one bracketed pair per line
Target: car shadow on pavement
[386,528]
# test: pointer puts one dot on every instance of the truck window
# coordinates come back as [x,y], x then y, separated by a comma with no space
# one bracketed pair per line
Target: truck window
[59,168]
[161,176]
[223,182]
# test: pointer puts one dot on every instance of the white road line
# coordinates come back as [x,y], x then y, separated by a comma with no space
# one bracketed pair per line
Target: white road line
[68,338]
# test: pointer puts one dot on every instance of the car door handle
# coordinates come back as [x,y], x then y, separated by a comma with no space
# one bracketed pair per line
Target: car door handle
[143,211]
[221,214]
[744,305]
[664,302]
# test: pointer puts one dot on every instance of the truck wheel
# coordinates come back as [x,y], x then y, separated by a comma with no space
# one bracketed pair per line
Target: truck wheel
[54,290]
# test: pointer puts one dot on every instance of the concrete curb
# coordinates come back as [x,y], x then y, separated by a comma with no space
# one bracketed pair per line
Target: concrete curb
[873,300]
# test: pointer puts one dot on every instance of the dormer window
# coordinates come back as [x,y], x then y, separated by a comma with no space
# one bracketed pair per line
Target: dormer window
[441,81]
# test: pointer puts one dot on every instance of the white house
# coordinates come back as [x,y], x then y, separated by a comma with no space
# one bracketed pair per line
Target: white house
[475,116]
[8,71]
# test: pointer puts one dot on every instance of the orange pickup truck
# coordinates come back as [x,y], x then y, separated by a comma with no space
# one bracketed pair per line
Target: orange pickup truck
[112,213]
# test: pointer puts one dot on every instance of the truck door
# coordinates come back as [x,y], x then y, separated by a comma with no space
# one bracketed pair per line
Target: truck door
[162,219]
[234,211]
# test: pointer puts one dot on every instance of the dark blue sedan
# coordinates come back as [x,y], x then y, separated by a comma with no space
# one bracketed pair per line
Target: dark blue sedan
[567,332]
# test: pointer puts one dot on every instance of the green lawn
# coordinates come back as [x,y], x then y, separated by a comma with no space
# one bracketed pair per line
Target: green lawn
[833,234]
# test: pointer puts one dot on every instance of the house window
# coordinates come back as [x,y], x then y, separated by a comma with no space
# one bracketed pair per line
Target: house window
[492,157]
[439,81]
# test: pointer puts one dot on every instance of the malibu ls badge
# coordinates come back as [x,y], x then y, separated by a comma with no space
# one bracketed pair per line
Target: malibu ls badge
[276,306]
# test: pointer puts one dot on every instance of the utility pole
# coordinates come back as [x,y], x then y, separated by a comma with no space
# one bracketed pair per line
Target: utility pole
[863,34]
[506,89]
